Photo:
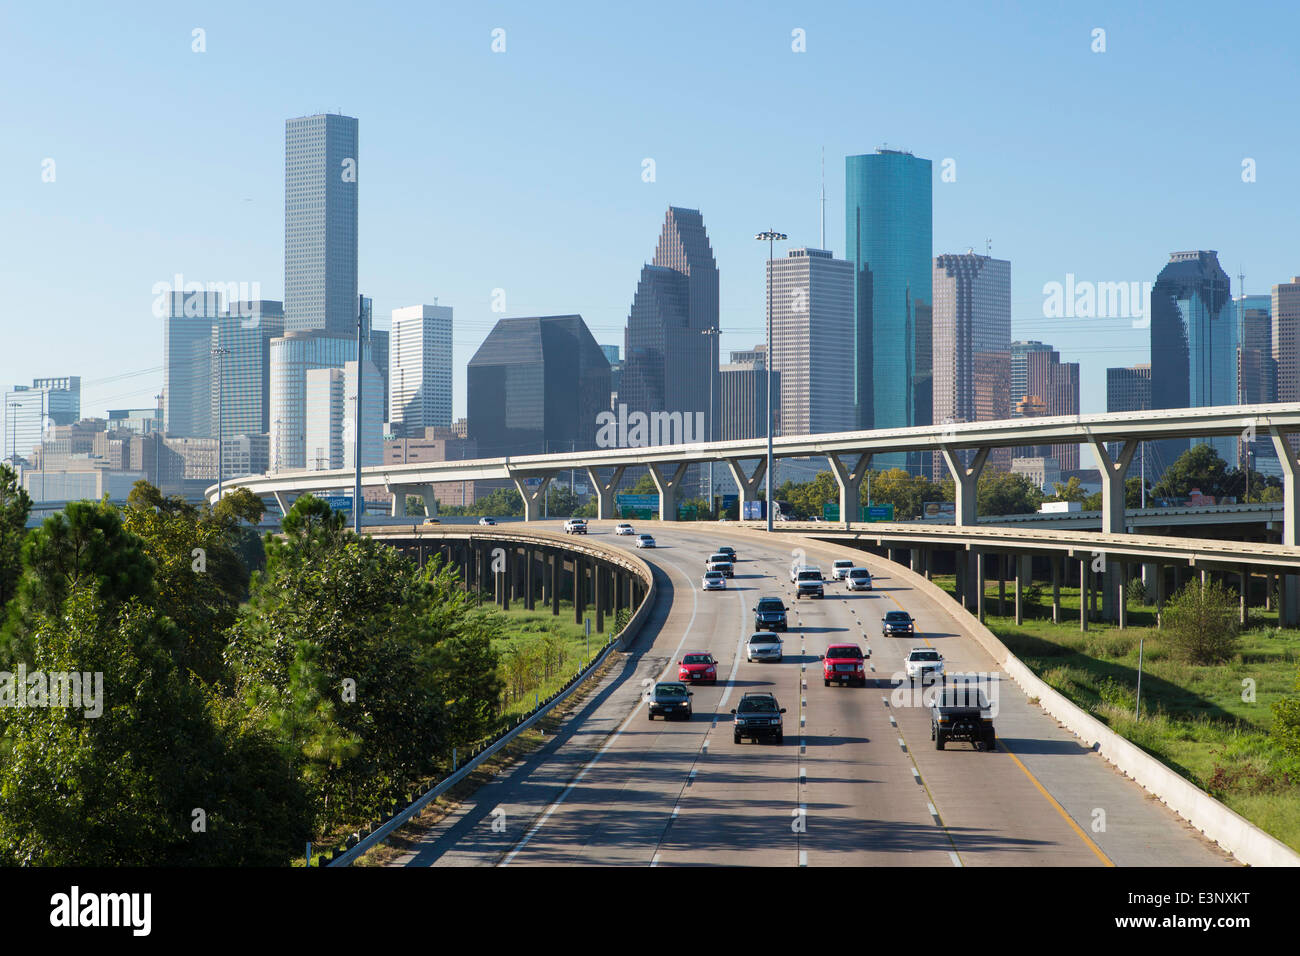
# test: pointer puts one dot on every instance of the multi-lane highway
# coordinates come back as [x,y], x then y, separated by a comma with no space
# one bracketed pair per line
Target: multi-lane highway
[857,780]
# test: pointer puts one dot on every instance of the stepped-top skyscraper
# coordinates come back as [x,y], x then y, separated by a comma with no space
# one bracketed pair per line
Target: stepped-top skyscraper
[888,238]
[1194,342]
[320,223]
[668,362]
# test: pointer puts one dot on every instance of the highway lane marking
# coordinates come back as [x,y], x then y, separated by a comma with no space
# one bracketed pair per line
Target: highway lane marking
[903,744]
[956,860]
[1059,809]
[916,773]
[803,857]
[655,861]
[892,721]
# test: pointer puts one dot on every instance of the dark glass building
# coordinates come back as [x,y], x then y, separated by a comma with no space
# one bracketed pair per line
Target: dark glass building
[535,386]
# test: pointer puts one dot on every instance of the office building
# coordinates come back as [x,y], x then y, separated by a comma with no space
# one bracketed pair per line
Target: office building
[1020,352]
[1194,339]
[1043,472]
[888,239]
[744,400]
[320,224]
[1129,390]
[240,374]
[31,410]
[419,376]
[439,444]
[141,421]
[188,364]
[292,356]
[536,386]
[812,342]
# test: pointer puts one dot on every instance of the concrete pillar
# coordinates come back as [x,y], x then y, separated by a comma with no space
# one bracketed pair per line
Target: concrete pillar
[979,584]
[605,490]
[1149,584]
[1057,561]
[748,485]
[1288,585]
[1122,581]
[281,502]
[598,582]
[1020,607]
[530,579]
[430,500]
[1160,594]
[1085,585]
[925,562]
[1268,591]
[557,568]
[1002,585]
[849,480]
[965,481]
[398,509]
[961,585]
[579,589]
[1244,587]
[534,498]
[669,489]
[619,583]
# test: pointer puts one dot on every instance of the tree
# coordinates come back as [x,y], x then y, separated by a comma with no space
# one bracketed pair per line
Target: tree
[1002,493]
[1198,467]
[1286,723]
[239,505]
[15,506]
[1201,622]
[1071,490]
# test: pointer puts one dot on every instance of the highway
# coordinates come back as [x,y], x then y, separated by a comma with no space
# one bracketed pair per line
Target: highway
[857,780]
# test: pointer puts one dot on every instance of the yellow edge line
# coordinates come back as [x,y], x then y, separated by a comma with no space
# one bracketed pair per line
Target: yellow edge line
[1059,809]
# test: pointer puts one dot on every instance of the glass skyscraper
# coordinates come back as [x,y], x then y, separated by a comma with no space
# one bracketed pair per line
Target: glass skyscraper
[888,238]
[320,223]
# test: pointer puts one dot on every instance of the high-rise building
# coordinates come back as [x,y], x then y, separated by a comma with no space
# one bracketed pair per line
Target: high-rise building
[669,362]
[755,356]
[1193,345]
[535,386]
[812,342]
[239,380]
[615,372]
[1051,388]
[292,355]
[320,223]
[141,421]
[972,318]
[1128,390]
[1020,352]
[744,400]
[188,364]
[888,228]
[372,421]
[30,411]
[439,444]
[419,375]
[323,421]
[1285,310]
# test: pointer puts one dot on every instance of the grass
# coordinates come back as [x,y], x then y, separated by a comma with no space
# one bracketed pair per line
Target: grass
[1209,723]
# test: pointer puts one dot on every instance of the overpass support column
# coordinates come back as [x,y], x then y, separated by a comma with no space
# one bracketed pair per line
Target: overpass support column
[979,580]
[1057,561]
[1085,587]
[669,488]
[1288,588]
[1122,606]
[746,485]
[850,482]
[579,588]
[430,500]
[598,581]
[530,579]
[1244,599]
[282,502]
[533,498]
[605,491]
[557,569]
[398,508]
[1149,583]
[1113,472]
[965,480]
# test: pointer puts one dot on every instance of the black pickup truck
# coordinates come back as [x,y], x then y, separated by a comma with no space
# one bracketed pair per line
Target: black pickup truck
[961,712]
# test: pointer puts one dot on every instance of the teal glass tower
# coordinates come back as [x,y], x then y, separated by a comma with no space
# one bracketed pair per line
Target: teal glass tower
[888,238]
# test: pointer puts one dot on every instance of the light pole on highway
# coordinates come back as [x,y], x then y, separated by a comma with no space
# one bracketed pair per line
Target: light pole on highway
[771,238]
[220,352]
[713,374]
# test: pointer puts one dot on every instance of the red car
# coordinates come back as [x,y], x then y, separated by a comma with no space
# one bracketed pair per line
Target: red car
[698,666]
[844,663]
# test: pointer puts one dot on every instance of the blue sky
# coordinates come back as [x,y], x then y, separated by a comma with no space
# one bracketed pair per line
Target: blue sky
[522,170]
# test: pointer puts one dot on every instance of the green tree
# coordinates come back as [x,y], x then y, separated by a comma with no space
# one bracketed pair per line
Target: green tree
[1286,723]
[1198,467]
[1002,493]
[15,506]
[1071,490]
[1201,623]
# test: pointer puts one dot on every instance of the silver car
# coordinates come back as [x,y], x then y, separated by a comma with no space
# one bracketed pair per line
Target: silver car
[764,646]
[859,579]
[715,581]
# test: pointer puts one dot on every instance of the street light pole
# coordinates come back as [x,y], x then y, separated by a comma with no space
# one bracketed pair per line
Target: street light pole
[771,237]
[220,352]
[713,372]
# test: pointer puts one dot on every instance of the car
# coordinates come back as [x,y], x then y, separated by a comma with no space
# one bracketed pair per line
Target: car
[897,624]
[925,663]
[429,522]
[758,716]
[697,666]
[645,541]
[715,581]
[769,614]
[623,528]
[730,552]
[961,712]
[487,521]
[809,583]
[764,646]
[719,562]
[840,569]
[858,579]
[575,526]
[669,699]
[844,664]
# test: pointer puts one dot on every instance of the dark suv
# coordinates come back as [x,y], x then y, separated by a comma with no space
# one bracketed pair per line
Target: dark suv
[769,614]
[897,624]
[757,716]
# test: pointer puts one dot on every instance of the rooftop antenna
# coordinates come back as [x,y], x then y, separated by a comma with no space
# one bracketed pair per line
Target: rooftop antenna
[988,248]
[823,202]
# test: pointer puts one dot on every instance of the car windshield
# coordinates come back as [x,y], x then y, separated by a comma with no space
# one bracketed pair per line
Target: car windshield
[844,564]
[697,659]
[770,604]
[671,690]
[897,616]
[963,695]
[757,705]
[764,637]
[925,655]
[859,573]
[849,651]
[810,575]
[715,576]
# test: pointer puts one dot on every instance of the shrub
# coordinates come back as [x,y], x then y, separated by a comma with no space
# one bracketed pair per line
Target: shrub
[1200,623]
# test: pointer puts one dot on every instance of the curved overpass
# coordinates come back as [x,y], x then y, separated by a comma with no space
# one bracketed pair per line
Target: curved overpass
[857,780]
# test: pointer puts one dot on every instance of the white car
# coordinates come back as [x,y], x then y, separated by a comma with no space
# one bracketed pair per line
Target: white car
[764,646]
[487,521]
[925,663]
[624,528]
[840,569]
[715,581]
[645,541]
[794,571]
[575,526]
[859,579]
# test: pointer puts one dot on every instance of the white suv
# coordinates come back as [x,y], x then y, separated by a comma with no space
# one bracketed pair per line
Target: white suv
[575,526]
[925,663]
[624,528]
[840,569]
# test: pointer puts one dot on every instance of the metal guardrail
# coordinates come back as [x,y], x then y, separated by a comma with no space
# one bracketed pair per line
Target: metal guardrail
[634,624]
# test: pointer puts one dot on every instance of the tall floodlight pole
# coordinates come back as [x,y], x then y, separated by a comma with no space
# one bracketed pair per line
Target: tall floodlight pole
[713,373]
[220,352]
[771,238]
[356,438]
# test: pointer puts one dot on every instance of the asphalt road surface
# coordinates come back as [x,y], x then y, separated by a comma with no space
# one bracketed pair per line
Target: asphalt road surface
[857,780]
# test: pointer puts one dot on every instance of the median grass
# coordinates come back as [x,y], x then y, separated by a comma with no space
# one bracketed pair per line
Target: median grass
[1209,723]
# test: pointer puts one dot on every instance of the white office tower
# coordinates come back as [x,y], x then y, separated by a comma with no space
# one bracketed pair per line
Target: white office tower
[419,369]
[323,423]
[372,415]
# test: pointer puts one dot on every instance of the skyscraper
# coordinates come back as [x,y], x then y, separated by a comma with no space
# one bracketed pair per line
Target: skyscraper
[188,364]
[1285,307]
[668,361]
[972,316]
[239,381]
[535,386]
[1020,369]
[1193,344]
[292,355]
[320,223]
[30,410]
[1053,389]
[1128,390]
[419,376]
[888,226]
[812,342]
[744,400]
